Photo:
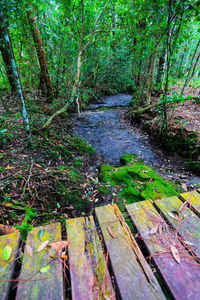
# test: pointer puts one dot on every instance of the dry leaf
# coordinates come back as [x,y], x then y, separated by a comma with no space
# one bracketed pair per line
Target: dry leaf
[160,229]
[110,232]
[37,165]
[184,186]
[188,243]
[42,246]
[173,216]
[29,250]
[154,229]
[175,254]
[59,245]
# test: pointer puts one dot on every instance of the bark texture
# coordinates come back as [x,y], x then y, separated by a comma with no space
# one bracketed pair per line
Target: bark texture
[45,80]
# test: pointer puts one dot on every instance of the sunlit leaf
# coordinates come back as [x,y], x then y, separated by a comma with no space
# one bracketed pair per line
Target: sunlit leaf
[7,252]
[45,269]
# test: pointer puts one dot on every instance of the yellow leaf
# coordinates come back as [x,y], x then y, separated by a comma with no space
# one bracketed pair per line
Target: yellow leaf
[45,269]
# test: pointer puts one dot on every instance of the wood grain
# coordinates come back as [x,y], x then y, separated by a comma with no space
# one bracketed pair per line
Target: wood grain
[186,223]
[32,283]
[88,271]
[132,278]
[7,267]
[193,199]
[183,280]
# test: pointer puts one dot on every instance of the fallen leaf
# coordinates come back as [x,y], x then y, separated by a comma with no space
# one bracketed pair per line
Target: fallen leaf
[108,297]
[172,215]
[37,165]
[188,243]
[184,186]
[160,229]
[59,245]
[154,229]
[29,250]
[175,253]
[63,256]
[45,269]
[42,246]
[7,252]
[110,232]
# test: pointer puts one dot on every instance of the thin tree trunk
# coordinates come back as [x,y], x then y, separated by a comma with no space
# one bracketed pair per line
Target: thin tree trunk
[46,85]
[190,68]
[7,62]
[150,76]
[161,68]
[15,75]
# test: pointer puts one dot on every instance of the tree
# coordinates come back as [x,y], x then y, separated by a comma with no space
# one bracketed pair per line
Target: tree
[45,81]
[7,44]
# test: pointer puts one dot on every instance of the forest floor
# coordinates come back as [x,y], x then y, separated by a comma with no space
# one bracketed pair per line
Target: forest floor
[56,179]
[52,181]
[183,122]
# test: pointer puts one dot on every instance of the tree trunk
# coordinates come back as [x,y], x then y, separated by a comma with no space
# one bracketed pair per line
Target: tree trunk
[190,68]
[7,61]
[147,98]
[161,69]
[45,81]
[15,75]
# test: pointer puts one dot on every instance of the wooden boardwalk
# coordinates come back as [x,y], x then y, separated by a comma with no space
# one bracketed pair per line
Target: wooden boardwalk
[151,251]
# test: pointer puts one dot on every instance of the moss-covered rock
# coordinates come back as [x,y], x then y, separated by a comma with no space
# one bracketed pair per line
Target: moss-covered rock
[137,181]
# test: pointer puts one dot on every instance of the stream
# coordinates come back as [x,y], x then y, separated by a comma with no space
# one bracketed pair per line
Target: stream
[111,136]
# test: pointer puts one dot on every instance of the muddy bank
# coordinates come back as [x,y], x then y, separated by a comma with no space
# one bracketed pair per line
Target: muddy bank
[112,137]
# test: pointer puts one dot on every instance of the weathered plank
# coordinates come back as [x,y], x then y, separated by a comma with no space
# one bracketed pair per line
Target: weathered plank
[193,198]
[7,267]
[133,279]
[185,222]
[183,279]
[88,271]
[33,284]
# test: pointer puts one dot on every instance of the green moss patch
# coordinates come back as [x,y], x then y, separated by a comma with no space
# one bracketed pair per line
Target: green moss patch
[137,181]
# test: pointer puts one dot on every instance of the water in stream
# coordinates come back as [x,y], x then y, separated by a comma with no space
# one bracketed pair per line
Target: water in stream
[112,137]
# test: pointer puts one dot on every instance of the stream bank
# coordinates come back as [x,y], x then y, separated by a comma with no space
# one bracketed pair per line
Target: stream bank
[110,135]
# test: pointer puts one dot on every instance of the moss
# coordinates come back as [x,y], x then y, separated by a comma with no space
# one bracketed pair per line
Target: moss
[81,146]
[137,181]
[129,159]
[26,226]
[71,197]
[104,190]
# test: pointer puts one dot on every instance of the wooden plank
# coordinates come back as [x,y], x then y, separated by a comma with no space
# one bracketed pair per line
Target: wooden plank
[185,222]
[32,283]
[7,267]
[133,276]
[88,271]
[182,279]
[193,198]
